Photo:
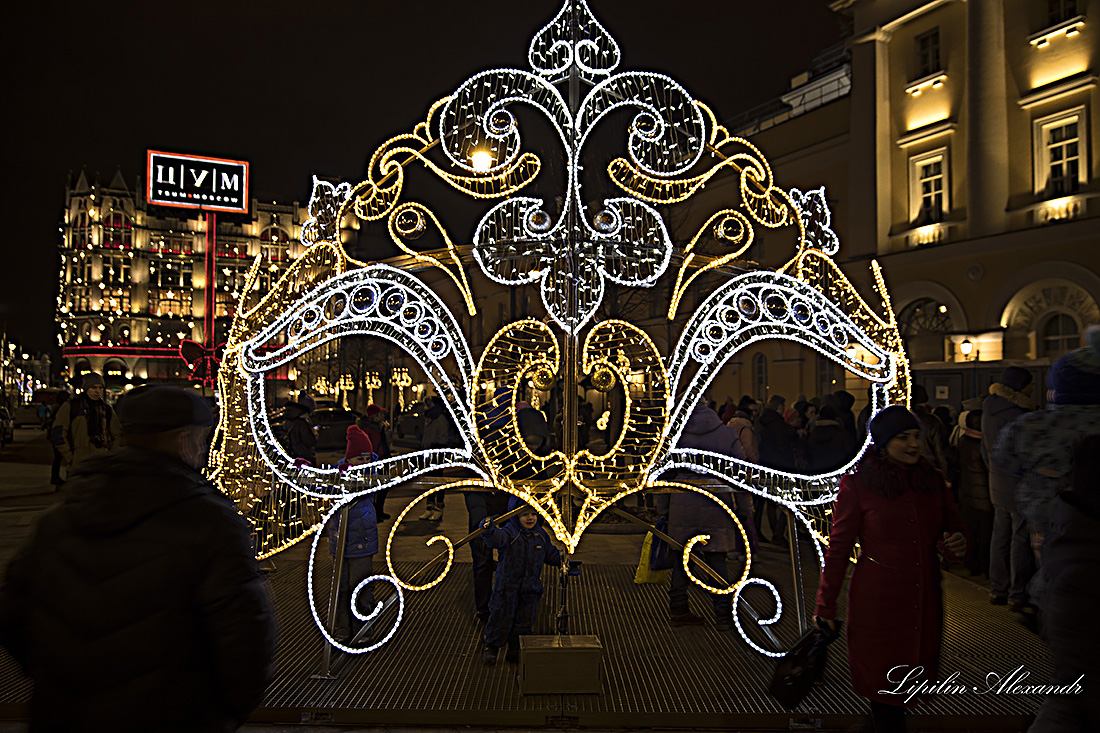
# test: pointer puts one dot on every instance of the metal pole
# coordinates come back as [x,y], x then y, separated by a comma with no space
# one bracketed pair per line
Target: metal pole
[334,591]
[796,573]
[707,570]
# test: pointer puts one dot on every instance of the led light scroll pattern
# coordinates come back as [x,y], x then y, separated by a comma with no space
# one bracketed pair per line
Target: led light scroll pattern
[569,250]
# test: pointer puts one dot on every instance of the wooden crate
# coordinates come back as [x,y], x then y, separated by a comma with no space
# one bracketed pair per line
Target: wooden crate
[560,665]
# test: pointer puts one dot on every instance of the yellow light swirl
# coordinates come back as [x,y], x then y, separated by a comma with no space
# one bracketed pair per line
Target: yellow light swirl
[459,279]
[744,239]
[686,557]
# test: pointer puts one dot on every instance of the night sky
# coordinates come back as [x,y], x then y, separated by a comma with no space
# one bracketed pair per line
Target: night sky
[307,86]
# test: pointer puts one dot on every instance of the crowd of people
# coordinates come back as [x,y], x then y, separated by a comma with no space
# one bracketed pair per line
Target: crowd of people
[117,577]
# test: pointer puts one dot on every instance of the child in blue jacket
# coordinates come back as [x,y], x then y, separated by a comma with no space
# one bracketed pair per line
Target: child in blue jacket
[360,544]
[524,547]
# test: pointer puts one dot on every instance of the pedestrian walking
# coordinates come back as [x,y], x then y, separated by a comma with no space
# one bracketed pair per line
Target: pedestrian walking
[85,425]
[972,485]
[300,437]
[137,605]
[897,505]
[58,459]
[1011,562]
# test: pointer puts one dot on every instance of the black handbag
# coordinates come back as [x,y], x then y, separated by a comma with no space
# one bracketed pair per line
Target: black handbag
[801,666]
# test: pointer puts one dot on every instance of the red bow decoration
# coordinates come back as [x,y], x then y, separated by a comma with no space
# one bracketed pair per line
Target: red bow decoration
[202,360]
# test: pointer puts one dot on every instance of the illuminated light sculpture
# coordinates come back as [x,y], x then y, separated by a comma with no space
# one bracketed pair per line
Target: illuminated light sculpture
[570,252]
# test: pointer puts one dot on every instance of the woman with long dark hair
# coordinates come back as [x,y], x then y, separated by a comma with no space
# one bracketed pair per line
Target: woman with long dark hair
[897,505]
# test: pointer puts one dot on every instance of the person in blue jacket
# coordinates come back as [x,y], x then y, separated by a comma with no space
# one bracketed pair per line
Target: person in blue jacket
[524,547]
[360,544]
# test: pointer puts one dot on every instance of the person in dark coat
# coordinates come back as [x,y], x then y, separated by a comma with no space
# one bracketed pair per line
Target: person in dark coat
[897,505]
[779,448]
[524,547]
[138,605]
[845,416]
[1071,567]
[376,428]
[85,425]
[482,504]
[691,514]
[830,446]
[301,439]
[1011,562]
[933,435]
[973,489]
[360,544]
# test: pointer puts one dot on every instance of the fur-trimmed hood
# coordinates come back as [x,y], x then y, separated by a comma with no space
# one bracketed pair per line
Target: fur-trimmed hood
[1016,398]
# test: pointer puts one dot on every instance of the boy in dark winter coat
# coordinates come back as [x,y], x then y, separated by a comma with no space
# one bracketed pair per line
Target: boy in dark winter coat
[360,544]
[524,547]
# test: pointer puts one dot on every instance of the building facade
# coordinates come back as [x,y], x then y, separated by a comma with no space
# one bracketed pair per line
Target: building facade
[135,279]
[961,154]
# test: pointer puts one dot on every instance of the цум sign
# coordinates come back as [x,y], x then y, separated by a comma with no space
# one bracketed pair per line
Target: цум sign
[194,182]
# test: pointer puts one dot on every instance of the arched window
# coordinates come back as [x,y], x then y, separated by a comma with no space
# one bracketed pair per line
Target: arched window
[274,243]
[760,377]
[923,325]
[118,231]
[1059,335]
[82,231]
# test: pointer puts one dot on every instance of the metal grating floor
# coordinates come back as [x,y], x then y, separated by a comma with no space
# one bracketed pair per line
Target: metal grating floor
[653,676]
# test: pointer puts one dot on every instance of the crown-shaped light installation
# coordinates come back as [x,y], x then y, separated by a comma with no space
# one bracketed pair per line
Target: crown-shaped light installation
[471,141]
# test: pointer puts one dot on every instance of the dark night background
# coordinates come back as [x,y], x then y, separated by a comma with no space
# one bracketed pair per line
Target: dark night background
[299,87]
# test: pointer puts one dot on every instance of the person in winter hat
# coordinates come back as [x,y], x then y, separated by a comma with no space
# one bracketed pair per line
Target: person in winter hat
[138,605]
[1036,449]
[899,508]
[524,548]
[85,425]
[360,544]
[1011,562]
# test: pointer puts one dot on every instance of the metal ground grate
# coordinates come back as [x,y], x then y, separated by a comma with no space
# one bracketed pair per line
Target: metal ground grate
[653,676]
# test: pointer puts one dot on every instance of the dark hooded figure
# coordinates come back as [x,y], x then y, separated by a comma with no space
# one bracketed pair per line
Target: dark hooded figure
[138,605]
[524,547]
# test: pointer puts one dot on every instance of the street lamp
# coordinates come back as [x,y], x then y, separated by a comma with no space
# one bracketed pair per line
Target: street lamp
[966,347]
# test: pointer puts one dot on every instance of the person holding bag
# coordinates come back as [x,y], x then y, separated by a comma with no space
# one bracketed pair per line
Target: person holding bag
[899,508]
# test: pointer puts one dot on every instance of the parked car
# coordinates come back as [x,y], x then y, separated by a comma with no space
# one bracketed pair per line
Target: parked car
[7,427]
[332,428]
[410,423]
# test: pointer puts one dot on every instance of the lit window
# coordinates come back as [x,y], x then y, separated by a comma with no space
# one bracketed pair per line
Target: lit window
[928,53]
[826,375]
[117,231]
[929,201]
[1059,167]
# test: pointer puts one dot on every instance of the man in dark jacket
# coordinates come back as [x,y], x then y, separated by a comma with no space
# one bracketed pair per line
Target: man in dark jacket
[1011,562]
[301,439]
[137,606]
[781,449]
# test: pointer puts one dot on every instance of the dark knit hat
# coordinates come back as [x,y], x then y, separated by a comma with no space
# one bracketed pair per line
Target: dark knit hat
[358,443]
[91,379]
[158,408]
[1075,377]
[305,402]
[1015,378]
[889,422]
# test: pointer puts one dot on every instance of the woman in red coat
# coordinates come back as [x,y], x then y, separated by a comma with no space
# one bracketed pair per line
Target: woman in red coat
[897,505]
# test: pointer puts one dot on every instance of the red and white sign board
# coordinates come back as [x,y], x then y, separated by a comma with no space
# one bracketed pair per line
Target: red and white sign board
[197,182]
